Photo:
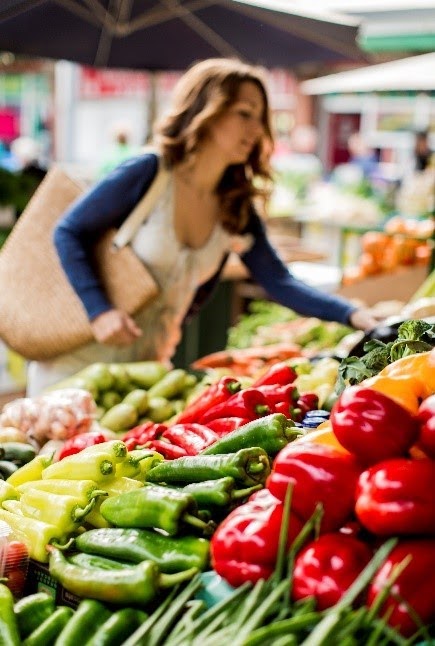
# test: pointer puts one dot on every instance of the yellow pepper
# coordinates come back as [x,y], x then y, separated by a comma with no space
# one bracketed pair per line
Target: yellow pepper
[408,380]
[86,489]
[82,466]
[34,533]
[64,512]
[30,471]
[138,463]
[117,449]
[7,492]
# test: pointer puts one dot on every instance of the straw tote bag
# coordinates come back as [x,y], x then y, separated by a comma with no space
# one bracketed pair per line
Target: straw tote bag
[41,316]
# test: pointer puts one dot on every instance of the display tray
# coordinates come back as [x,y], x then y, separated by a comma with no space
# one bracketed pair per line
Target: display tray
[39,579]
[398,285]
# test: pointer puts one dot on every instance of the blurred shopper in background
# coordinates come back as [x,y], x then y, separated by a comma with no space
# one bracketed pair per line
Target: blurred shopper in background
[216,140]
[29,169]
[423,155]
[362,156]
[120,148]
[8,161]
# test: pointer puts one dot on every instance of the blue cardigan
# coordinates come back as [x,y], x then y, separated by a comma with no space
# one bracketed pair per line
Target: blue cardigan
[110,202]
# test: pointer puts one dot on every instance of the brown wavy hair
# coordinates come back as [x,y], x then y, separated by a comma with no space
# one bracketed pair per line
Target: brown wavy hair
[203,94]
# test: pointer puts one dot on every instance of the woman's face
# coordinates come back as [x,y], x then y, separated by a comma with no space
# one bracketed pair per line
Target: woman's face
[234,135]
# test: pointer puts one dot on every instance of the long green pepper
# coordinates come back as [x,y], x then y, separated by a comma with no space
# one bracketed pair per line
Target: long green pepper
[171,553]
[247,466]
[48,631]
[218,493]
[153,506]
[9,635]
[139,584]
[88,617]
[272,433]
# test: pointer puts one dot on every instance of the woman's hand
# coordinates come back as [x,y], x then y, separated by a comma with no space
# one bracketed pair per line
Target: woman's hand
[363,319]
[115,327]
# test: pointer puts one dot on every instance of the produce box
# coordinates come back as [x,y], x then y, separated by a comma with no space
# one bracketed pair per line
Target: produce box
[39,579]
[398,285]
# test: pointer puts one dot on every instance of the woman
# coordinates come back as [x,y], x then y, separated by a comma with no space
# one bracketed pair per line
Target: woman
[216,141]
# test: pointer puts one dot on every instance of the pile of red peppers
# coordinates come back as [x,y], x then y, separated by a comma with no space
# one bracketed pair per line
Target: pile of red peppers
[221,408]
[375,480]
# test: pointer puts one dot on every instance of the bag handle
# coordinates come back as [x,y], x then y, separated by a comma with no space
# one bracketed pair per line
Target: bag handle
[142,209]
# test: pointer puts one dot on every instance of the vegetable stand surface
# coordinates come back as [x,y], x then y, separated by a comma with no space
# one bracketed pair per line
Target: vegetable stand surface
[273,533]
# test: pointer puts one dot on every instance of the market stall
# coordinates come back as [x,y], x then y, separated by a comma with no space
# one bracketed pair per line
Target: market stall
[272,493]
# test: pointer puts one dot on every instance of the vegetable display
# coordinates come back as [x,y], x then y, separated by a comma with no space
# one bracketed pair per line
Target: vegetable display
[318,527]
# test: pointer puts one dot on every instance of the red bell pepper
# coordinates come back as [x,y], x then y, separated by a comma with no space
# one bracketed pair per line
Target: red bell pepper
[244,547]
[310,401]
[327,567]
[371,425]
[397,497]
[250,403]
[413,588]
[304,403]
[278,374]
[142,434]
[211,396]
[193,438]
[288,410]
[224,425]
[168,450]
[318,473]
[426,417]
[80,442]
[277,394]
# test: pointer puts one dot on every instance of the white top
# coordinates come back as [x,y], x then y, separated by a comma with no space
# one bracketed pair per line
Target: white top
[179,271]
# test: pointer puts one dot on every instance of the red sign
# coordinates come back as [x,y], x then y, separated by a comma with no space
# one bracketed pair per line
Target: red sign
[95,83]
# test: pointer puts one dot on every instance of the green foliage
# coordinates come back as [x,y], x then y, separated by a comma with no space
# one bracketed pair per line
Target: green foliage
[308,333]
[413,336]
[260,313]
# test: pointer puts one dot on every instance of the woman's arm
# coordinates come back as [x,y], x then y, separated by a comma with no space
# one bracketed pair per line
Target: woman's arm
[269,271]
[106,205]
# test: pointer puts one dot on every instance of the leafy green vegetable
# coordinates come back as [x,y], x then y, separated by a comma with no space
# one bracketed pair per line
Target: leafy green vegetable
[413,336]
[266,323]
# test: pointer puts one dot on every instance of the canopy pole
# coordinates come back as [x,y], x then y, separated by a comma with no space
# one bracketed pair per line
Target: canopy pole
[152,105]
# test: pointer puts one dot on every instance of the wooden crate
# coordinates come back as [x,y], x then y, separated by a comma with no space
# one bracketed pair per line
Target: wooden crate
[399,285]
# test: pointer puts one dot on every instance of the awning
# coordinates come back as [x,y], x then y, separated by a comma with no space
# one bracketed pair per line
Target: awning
[414,73]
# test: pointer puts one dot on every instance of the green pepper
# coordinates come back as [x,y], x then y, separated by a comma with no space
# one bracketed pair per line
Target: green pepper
[220,493]
[153,506]
[118,627]
[9,635]
[47,632]
[160,409]
[90,614]
[134,585]
[272,433]
[170,385]
[145,373]
[247,466]
[95,562]
[32,610]
[171,553]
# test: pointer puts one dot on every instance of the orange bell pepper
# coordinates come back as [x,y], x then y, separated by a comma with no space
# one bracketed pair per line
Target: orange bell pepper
[323,434]
[408,380]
